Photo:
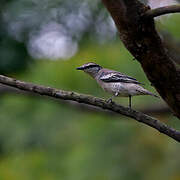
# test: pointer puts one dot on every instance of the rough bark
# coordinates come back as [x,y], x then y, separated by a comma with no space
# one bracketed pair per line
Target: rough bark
[141,39]
[94,101]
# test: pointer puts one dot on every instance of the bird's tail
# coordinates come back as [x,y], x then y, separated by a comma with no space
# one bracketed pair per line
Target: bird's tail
[146,92]
[150,93]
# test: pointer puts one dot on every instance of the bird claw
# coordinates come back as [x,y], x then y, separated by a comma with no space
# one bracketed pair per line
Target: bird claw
[110,101]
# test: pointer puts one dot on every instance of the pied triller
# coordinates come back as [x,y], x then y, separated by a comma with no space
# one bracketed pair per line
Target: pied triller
[115,82]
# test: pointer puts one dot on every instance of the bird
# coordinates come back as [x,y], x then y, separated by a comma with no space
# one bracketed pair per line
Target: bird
[114,82]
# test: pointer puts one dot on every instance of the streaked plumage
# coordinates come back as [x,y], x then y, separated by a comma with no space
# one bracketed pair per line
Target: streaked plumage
[114,76]
[115,82]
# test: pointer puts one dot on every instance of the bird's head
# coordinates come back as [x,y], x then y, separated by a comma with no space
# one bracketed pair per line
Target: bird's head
[90,68]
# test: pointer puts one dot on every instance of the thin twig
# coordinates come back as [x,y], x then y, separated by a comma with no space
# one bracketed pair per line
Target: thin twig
[94,101]
[161,11]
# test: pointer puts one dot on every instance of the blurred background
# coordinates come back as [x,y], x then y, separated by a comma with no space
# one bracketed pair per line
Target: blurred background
[42,138]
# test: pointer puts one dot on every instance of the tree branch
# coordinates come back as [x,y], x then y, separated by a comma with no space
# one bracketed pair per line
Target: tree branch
[161,11]
[141,39]
[155,110]
[94,101]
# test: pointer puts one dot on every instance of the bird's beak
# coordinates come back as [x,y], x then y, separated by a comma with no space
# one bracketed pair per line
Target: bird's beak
[80,68]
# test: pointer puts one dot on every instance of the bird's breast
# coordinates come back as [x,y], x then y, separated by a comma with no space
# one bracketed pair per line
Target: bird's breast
[113,88]
[123,89]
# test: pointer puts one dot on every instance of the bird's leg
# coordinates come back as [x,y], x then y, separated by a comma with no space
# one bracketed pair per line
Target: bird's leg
[130,101]
[110,99]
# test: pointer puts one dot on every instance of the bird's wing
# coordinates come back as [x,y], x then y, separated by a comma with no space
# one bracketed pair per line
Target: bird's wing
[117,77]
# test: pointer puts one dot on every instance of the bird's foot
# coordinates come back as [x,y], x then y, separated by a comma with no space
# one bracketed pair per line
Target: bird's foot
[110,101]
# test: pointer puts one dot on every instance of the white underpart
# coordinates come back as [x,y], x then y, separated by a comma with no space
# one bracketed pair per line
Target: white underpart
[124,89]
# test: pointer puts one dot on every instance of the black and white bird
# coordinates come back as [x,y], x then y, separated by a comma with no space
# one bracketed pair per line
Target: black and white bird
[115,82]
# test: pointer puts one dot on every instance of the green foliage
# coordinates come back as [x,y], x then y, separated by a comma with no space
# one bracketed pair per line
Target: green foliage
[46,139]
[14,56]
[42,138]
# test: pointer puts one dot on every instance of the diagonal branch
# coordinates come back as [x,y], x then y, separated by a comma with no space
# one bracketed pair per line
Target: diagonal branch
[141,39]
[161,11]
[94,101]
[155,110]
